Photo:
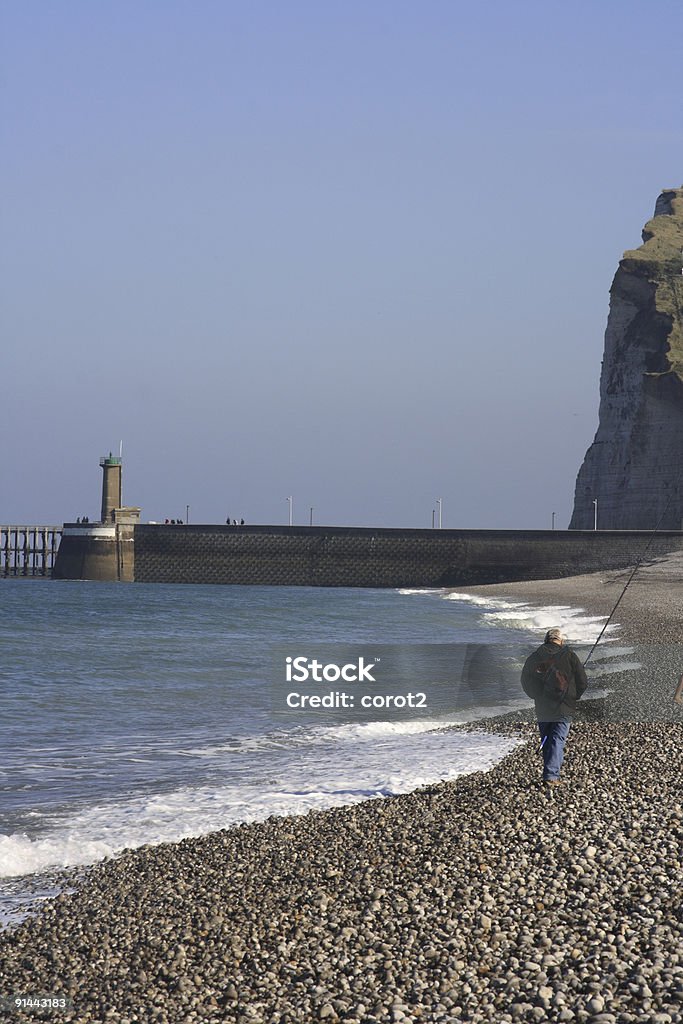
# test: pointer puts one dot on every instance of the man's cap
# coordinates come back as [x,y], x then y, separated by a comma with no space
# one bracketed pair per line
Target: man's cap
[554,635]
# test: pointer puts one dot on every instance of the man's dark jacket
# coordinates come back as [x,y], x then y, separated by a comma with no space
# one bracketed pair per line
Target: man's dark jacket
[532,681]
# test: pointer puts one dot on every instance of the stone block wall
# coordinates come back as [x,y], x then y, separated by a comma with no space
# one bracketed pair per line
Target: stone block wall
[364,557]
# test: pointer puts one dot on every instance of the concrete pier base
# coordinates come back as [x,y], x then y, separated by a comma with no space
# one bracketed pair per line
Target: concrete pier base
[97,552]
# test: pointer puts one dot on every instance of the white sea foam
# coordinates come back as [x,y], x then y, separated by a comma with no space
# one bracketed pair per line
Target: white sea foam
[20,855]
[484,602]
[307,736]
[356,733]
[579,627]
[396,762]
[364,731]
[434,591]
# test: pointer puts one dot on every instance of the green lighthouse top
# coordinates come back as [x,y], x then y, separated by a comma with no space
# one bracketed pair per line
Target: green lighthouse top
[110,460]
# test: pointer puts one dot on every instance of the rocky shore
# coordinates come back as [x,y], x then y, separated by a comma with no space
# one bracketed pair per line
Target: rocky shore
[477,900]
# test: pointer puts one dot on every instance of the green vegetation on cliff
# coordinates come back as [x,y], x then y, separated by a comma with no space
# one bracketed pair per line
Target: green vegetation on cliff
[659,259]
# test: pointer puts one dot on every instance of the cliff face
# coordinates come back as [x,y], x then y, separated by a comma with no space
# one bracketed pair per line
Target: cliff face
[635,465]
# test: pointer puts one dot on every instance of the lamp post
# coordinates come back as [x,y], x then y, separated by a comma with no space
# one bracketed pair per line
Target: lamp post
[595,513]
[439,502]
[311,516]
[433,514]
[187,514]
[290,501]
[553,514]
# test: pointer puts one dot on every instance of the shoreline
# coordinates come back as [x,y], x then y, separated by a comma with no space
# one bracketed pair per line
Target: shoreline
[649,612]
[458,901]
[431,906]
[647,618]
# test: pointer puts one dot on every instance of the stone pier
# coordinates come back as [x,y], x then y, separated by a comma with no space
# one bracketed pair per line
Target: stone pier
[329,556]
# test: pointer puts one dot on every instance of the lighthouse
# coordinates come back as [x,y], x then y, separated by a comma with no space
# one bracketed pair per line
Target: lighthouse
[104,550]
[111,486]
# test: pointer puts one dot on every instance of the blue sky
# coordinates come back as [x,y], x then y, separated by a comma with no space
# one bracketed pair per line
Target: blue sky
[357,253]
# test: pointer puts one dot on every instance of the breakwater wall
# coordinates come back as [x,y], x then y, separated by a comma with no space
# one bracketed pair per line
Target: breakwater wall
[322,556]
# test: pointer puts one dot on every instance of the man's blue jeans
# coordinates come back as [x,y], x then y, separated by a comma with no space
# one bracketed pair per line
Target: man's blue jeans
[553,738]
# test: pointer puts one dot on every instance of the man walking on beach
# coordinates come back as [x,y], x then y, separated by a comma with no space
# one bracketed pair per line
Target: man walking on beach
[554,678]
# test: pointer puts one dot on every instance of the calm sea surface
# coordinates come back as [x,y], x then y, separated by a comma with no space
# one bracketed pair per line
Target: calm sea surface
[137,714]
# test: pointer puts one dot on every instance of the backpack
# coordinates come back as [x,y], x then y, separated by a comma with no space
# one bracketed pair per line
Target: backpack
[555,682]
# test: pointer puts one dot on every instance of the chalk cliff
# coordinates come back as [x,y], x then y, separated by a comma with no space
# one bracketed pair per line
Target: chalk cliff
[635,465]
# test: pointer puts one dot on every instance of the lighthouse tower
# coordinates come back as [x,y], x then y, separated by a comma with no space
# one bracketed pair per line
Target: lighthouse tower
[111,486]
[104,550]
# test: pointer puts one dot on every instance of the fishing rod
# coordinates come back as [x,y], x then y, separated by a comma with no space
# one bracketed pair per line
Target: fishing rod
[675,295]
[635,570]
[628,583]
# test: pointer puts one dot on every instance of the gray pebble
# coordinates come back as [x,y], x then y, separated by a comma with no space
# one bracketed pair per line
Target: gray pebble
[473,900]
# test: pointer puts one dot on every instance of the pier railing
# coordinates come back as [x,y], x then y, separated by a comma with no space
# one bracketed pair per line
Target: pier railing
[28,550]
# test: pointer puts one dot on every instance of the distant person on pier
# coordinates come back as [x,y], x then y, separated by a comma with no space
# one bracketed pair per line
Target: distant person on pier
[241,522]
[555,679]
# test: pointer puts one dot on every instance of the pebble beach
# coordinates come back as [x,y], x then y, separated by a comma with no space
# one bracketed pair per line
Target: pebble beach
[481,899]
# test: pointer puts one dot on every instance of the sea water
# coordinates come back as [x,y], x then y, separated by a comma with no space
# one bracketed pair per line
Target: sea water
[136,714]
